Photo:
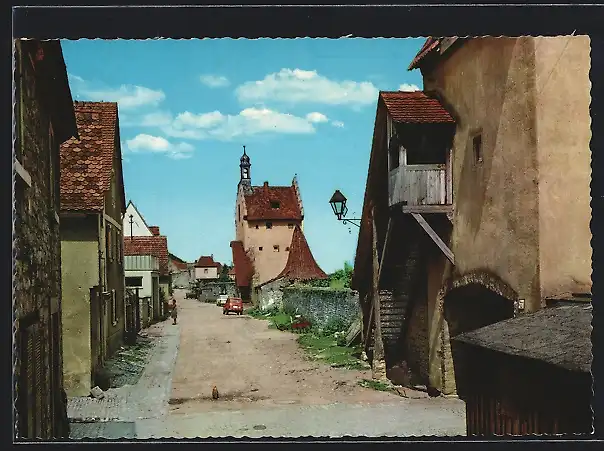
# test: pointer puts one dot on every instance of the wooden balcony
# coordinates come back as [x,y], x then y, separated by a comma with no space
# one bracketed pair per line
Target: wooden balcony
[421,188]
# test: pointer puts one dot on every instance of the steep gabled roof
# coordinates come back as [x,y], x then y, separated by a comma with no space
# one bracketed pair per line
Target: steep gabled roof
[259,204]
[430,45]
[87,163]
[207,261]
[149,245]
[301,265]
[138,213]
[244,269]
[415,107]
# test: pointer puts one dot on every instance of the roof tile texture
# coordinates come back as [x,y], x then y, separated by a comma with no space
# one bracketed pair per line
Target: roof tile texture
[243,265]
[259,206]
[415,107]
[149,245]
[301,264]
[87,163]
[206,261]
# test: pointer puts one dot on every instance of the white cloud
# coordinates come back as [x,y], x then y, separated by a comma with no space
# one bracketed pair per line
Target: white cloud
[127,96]
[253,121]
[303,86]
[316,117]
[158,144]
[338,124]
[408,88]
[205,120]
[214,81]
[73,77]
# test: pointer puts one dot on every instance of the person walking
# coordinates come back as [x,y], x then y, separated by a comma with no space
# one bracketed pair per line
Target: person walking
[174,312]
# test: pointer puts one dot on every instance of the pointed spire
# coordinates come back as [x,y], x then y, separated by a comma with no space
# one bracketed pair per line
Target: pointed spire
[301,265]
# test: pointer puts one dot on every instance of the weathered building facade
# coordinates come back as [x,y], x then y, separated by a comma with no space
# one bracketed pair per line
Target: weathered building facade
[181,276]
[154,248]
[43,119]
[206,268]
[265,218]
[494,215]
[92,206]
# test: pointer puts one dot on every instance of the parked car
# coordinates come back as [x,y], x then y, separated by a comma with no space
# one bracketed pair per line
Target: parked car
[222,299]
[233,305]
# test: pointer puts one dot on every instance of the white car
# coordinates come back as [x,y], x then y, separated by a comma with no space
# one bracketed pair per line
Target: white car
[222,299]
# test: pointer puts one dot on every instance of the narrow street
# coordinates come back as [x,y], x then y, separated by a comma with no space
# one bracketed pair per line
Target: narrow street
[268,387]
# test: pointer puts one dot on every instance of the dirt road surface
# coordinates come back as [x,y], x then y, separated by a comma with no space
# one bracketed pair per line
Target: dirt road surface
[253,366]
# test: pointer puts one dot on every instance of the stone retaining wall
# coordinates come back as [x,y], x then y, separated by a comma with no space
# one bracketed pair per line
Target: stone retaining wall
[322,305]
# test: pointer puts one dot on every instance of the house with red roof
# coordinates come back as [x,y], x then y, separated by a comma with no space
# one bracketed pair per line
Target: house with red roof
[477,198]
[206,268]
[92,264]
[265,219]
[135,226]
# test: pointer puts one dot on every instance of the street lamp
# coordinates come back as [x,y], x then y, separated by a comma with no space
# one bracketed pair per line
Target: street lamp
[338,205]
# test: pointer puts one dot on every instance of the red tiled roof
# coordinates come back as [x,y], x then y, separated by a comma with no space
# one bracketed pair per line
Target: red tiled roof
[86,163]
[178,262]
[232,271]
[259,207]
[301,264]
[430,44]
[242,265]
[149,245]
[415,107]
[207,262]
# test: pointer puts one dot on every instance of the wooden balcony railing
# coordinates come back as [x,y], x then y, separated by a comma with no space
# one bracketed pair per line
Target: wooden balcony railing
[420,185]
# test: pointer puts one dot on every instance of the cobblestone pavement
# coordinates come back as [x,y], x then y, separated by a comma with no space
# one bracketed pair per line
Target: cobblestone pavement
[147,398]
[413,417]
[101,429]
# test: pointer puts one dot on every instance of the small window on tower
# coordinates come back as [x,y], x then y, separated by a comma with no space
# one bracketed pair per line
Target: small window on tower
[275,204]
[290,226]
[256,225]
[269,225]
[260,248]
[276,248]
[287,249]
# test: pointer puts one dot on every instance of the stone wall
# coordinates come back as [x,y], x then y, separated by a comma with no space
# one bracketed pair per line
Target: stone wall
[37,257]
[270,295]
[322,305]
[209,291]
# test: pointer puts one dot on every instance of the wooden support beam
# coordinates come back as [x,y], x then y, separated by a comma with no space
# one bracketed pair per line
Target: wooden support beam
[21,172]
[384,248]
[427,208]
[430,231]
[378,364]
[112,221]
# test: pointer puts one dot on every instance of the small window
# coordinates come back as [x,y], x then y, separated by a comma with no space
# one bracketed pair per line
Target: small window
[256,226]
[205,271]
[275,204]
[260,248]
[239,211]
[276,248]
[269,225]
[134,282]
[287,249]
[477,146]
[290,226]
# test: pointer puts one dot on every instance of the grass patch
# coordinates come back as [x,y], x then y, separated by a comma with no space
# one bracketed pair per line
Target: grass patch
[376,385]
[326,348]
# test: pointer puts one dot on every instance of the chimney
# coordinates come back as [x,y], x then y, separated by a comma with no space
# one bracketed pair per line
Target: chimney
[266,184]
[154,230]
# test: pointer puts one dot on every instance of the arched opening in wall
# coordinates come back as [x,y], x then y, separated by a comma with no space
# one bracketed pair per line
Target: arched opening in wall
[470,307]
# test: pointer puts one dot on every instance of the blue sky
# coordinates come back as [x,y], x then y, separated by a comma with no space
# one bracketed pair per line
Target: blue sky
[186,107]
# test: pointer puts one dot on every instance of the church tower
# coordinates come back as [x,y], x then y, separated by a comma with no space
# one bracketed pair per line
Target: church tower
[245,176]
